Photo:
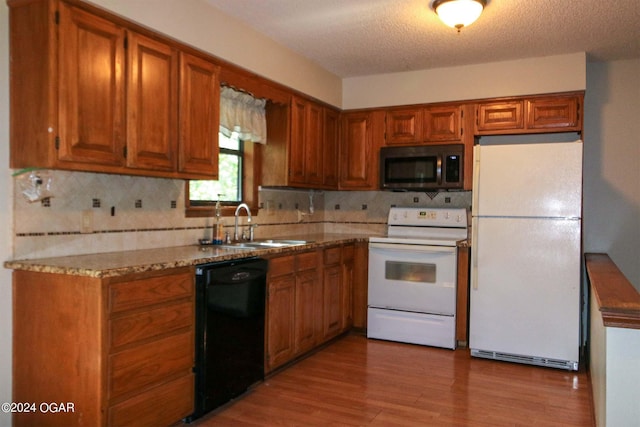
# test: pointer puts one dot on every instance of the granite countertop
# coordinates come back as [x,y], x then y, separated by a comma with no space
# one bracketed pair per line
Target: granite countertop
[112,264]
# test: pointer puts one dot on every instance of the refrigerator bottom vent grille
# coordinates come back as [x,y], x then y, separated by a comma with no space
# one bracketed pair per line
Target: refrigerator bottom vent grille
[530,360]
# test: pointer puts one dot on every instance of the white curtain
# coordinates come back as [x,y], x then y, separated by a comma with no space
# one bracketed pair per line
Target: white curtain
[242,113]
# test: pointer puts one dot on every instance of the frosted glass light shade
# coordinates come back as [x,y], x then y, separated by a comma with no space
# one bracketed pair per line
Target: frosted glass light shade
[458,13]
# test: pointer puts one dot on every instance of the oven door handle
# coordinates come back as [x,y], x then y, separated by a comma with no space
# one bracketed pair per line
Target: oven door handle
[413,248]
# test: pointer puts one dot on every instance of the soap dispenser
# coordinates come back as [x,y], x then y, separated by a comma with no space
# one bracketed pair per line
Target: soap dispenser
[218,226]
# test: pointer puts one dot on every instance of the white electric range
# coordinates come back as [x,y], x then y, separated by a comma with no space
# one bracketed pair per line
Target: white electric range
[413,276]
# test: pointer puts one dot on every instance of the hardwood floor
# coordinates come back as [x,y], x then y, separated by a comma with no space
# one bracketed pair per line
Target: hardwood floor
[360,382]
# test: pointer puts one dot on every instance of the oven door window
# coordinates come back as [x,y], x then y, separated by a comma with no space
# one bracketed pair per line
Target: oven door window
[411,170]
[410,271]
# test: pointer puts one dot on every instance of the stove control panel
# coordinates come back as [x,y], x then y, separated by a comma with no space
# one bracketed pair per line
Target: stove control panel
[428,217]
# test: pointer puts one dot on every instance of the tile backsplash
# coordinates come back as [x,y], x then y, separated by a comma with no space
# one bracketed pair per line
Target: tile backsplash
[92,213]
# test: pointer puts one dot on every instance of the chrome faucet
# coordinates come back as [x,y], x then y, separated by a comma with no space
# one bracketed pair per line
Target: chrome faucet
[240,206]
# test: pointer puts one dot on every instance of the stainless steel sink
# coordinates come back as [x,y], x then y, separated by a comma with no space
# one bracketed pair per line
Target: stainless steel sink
[264,244]
[278,243]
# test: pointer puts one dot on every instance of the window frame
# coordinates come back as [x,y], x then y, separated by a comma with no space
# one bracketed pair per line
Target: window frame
[251,173]
[211,203]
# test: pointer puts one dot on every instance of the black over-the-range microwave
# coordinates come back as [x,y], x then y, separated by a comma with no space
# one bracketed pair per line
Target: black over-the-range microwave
[422,168]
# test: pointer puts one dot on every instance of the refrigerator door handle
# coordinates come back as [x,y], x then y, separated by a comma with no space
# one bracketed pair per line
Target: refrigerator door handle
[475,195]
[474,253]
[474,219]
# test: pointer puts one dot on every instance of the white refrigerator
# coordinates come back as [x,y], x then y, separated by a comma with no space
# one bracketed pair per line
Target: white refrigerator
[526,253]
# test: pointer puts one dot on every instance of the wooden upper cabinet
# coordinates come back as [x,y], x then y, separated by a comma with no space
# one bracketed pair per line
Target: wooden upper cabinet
[533,114]
[302,145]
[306,151]
[331,140]
[443,123]
[362,132]
[499,116]
[313,144]
[91,98]
[554,113]
[152,104]
[297,155]
[418,125]
[93,92]
[403,126]
[199,116]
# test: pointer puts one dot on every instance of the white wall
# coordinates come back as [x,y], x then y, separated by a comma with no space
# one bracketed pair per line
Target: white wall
[6,213]
[612,164]
[198,24]
[548,74]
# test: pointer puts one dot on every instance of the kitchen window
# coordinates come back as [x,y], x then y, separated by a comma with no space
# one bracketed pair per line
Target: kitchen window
[228,187]
[243,127]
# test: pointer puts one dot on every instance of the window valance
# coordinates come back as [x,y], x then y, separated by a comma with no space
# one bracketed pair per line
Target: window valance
[240,112]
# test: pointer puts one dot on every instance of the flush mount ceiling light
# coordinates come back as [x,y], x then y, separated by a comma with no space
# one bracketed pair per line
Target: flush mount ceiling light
[458,13]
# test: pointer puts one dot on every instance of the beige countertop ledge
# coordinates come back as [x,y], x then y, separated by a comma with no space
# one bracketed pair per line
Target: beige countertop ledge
[110,264]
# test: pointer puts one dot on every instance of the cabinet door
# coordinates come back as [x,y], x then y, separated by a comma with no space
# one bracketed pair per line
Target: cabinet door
[330,160]
[499,116]
[404,126]
[443,123]
[297,155]
[306,304]
[313,145]
[361,135]
[199,116]
[348,272]
[560,113]
[332,291]
[91,89]
[280,323]
[152,104]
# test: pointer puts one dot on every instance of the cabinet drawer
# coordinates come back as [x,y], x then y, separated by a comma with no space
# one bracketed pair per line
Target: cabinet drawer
[150,363]
[161,405]
[332,255]
[307,261]
[281,266]
[147,324]
[149,291]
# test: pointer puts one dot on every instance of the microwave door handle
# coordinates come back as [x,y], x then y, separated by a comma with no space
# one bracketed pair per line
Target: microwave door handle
[439,169]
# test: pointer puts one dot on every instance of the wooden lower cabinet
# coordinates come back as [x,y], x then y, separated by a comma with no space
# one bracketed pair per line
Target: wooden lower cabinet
[293,307]
[332,301]
[309,301]
[307,310]
[281,300]
[120,349]
[337,290]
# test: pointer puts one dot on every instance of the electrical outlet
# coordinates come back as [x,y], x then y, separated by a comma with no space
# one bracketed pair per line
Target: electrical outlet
[87,222]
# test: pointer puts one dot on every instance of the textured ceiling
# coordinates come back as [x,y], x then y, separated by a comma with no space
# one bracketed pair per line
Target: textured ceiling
[362,37]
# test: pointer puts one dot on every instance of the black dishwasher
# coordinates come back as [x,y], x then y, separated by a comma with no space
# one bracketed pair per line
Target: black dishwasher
[230,310]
